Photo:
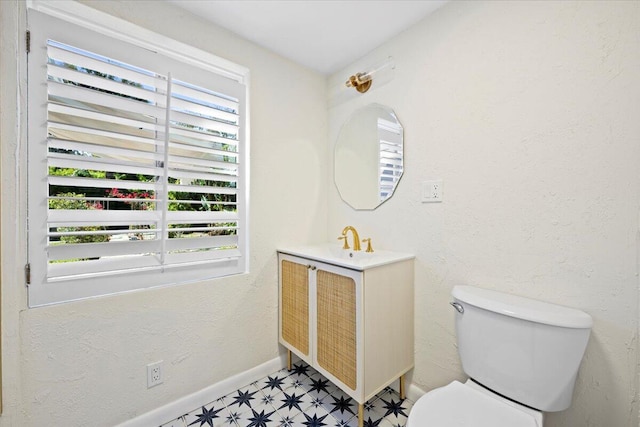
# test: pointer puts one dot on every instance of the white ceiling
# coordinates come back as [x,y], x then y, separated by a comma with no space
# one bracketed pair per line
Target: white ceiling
[324,35]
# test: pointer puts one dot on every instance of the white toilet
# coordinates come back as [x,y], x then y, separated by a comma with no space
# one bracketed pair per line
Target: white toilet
[522,357]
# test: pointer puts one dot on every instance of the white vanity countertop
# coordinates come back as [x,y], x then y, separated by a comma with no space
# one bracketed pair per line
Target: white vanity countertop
[332,253]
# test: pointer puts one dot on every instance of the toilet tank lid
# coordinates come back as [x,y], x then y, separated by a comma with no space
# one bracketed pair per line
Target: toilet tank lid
[523,308]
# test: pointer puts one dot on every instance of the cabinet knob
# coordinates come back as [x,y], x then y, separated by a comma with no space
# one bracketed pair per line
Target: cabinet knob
[311,267]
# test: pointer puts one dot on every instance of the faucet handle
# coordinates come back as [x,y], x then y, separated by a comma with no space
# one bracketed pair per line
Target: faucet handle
[369,247]
[346,244]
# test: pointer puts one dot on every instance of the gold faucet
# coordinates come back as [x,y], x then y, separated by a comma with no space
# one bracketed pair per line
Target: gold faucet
[356,238]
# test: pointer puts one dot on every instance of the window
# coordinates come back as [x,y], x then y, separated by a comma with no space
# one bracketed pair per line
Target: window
[137,171]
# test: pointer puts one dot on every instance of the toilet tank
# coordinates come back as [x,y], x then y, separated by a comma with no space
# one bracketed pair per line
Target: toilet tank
[524,349]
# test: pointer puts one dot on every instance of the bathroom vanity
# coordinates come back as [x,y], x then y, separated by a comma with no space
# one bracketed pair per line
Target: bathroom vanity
[349,315]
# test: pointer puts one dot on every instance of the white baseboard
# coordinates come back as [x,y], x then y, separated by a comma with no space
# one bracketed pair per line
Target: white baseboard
[414,392]
[200,398]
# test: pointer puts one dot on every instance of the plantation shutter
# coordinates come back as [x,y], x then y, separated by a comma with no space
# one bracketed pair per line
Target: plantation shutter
[136,167]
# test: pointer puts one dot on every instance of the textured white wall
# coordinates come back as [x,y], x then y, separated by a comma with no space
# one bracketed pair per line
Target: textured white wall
[529,113]
[84,363]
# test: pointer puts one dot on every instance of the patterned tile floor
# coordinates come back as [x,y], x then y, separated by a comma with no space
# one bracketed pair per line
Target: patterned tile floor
[301,397]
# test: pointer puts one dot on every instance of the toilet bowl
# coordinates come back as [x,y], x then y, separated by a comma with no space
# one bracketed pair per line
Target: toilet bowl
[522,358]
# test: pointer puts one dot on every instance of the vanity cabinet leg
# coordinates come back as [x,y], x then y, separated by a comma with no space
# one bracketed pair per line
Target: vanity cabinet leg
[289,360]
[361,415]
[402,394]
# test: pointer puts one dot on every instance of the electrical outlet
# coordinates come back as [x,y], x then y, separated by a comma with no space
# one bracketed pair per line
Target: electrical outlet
[432,191]
[154,374]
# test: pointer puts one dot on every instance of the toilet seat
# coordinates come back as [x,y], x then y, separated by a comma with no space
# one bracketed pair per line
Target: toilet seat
[460,405]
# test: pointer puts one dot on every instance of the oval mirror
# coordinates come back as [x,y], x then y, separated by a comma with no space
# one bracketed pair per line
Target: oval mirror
[368,158]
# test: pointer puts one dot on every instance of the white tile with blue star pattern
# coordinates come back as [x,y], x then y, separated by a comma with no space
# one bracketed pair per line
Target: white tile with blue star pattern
[248,404]
[301,397]
[214,413]
[396,410]
[319,387]
[312,417]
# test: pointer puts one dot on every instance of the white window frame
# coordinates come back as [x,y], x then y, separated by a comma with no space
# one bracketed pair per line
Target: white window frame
[44,292]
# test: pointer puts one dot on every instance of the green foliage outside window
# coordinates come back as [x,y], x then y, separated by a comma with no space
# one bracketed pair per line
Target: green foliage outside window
[74,201]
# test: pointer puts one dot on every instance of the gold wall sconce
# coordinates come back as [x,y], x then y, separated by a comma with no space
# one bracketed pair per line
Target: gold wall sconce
[362,81]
